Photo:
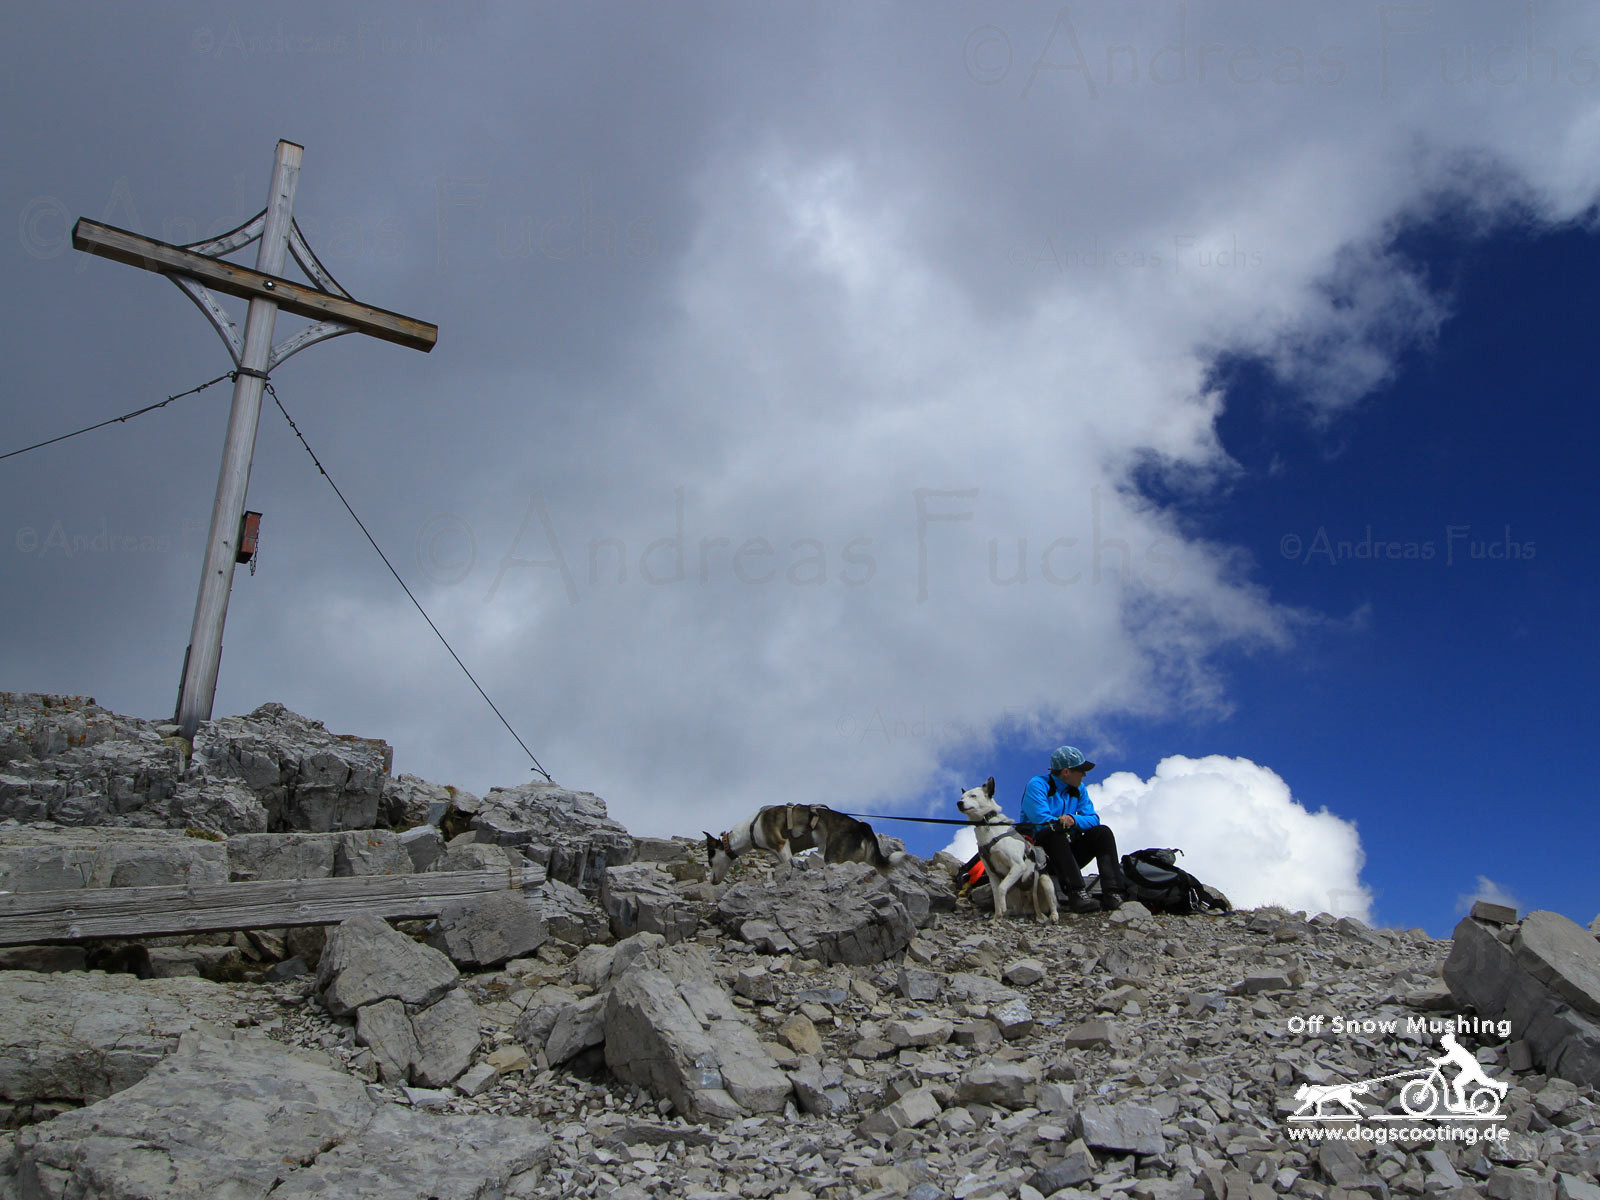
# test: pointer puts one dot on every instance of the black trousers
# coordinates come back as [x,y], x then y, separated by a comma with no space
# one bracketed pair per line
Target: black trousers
[1071,849]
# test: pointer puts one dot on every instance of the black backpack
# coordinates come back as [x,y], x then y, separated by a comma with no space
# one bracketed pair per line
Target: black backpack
[1157,882]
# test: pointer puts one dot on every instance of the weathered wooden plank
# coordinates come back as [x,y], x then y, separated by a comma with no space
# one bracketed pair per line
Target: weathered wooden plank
[232,279]
[28,917]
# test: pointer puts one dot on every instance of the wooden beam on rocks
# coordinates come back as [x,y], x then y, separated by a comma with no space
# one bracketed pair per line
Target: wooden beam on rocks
[31,917]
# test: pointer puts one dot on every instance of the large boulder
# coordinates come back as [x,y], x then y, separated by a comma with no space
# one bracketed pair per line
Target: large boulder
[672,1028]
[487,930]
[78,1037]
[66,760]
[366,961]
[409,1008]
[254,856]
[838,913]
[1546,982]
[306,777]
[245,1117]
[566,832]
[409,802]
[642,898]
[52,858]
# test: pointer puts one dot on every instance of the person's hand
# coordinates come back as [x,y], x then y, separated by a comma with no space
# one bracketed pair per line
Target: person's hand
[1068,822]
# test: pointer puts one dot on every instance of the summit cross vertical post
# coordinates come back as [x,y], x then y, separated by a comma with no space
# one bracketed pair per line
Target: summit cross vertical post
[194,267]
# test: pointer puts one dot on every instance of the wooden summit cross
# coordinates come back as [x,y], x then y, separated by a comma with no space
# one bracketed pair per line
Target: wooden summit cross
[196,269]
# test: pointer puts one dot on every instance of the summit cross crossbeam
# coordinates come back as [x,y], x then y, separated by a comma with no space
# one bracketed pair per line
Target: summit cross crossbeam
[196,269]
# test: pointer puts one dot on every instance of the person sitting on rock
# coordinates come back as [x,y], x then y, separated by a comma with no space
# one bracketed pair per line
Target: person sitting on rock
[1060,818]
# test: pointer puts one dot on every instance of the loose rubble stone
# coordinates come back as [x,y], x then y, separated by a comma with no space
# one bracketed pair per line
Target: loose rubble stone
[1090,1034]
[1007,1084]
[1075,1166]
[1023,972]
[1121,1128]
[788,1082]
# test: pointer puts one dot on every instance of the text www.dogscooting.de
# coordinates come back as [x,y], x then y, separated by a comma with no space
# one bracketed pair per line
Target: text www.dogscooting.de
[1383,1134]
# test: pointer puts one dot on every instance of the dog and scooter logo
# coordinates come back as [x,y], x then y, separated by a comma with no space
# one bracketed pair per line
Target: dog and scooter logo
[1450,1090]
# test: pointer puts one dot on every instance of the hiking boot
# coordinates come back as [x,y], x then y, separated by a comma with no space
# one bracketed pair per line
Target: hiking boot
[1081,902]
[1110,901]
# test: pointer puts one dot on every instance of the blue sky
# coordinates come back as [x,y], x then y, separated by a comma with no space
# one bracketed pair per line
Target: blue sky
[1443,703]
[774,340]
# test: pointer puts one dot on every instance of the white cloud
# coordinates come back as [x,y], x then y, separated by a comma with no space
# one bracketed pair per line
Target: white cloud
[1488,890]
[1240,830]
[902,417]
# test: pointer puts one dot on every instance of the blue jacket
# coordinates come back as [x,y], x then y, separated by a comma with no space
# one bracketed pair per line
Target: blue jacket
[1044,800]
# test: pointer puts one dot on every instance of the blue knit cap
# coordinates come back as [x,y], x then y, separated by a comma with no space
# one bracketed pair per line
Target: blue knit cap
[1069,758]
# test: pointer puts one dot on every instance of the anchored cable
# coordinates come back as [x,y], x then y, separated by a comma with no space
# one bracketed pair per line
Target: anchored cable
[138,412]
[324,472]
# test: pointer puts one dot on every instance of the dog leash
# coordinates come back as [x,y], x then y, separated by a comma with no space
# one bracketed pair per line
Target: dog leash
[922,820]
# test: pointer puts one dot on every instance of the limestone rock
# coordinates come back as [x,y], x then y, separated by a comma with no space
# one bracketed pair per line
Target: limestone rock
[570,915]
[280,856]
[1494,914]
[639,897]
[484,931]
[578,1026]
[82,1036]
[1121,1128]
[304,776]
[838,913]
[1075,1166]
[424,844]
[1563,956]
[409,802]
[366,960]
[670,1027]
[246,1117]
[50,859]
[1497,981]
[385,1029]
[1006,1084]
[369,852]
[71,762]
[567,832]
[447,1038]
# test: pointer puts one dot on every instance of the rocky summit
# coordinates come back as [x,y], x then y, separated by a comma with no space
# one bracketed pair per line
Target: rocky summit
[610,1024]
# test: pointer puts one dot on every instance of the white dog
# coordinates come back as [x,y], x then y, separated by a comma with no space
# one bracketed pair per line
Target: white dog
[1007,855]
